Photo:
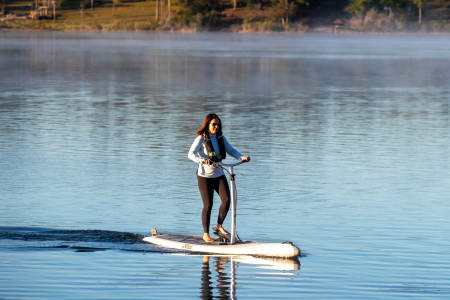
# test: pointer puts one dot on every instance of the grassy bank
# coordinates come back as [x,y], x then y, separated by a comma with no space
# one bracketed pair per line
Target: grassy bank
[123,16]
[141,16]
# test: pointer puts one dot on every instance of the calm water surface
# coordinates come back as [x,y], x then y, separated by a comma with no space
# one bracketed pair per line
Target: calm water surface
[350,146]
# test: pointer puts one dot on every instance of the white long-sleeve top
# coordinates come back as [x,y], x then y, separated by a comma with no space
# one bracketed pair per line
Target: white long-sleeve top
[198,152]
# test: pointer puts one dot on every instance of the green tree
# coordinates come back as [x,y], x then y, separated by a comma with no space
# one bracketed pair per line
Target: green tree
[277,12]
[286,10]
[420,5]
[358,7]
[202,13]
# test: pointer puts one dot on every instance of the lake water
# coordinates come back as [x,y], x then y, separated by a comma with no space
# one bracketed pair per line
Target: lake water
[349,137]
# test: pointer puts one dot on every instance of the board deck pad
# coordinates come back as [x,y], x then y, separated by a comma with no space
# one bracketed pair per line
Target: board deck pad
[190,239]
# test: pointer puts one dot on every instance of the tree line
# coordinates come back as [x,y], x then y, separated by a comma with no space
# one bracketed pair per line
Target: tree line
[361,7]
[207,13]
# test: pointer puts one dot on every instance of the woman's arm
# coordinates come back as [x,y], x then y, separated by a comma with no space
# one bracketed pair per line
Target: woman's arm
[194,150]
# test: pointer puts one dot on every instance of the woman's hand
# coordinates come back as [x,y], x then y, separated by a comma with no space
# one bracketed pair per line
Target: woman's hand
[245,159]
[206,161]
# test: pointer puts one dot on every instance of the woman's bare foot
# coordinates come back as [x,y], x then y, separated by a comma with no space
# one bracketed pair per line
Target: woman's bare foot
[221,229]
[207,238]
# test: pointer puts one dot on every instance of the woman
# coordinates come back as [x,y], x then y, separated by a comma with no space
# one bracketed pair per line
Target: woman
[211,146]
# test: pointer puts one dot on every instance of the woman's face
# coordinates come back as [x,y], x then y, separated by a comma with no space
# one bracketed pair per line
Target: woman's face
[214,126]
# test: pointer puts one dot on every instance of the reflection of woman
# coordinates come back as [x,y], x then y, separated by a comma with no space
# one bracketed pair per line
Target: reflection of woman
[208,147]
[206,288]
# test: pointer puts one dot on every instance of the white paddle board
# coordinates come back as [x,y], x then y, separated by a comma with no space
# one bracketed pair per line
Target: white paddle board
[195,243]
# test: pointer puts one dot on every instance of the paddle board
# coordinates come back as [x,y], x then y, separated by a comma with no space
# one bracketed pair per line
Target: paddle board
[195,243]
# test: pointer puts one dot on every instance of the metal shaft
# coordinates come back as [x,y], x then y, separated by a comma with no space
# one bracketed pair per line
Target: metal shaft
[233,206]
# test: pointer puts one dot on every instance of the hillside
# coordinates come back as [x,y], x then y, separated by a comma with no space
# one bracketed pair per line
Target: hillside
[141,15]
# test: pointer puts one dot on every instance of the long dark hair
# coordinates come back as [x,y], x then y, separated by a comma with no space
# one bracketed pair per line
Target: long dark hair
[204,128]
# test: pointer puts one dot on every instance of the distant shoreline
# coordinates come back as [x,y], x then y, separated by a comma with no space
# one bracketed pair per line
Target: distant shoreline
[318,30]
[132,16]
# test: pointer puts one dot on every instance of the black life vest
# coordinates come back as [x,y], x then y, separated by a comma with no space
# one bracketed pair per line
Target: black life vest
[216,157]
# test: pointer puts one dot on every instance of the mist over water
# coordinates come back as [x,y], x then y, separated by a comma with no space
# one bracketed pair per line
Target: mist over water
[349,140]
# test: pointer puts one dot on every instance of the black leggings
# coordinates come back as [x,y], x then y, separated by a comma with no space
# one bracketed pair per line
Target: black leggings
[207,186]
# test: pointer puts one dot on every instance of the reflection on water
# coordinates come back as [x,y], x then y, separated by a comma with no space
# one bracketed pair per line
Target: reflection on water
[220,273]
[225,285]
